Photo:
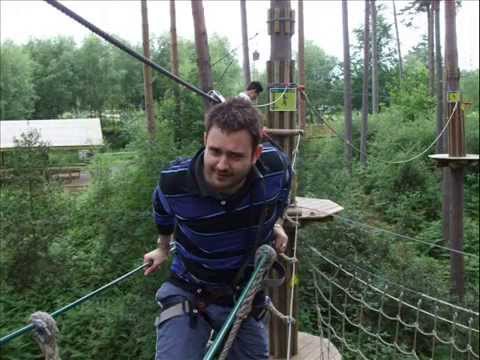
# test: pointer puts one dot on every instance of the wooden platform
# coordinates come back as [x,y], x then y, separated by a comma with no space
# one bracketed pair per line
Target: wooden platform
[455,161]
[311,347]
[312,209]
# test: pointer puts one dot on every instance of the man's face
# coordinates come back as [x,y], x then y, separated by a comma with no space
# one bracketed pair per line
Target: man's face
[252,94]
[228,159]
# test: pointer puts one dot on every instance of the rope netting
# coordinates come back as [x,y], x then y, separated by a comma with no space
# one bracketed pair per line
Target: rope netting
[369,321]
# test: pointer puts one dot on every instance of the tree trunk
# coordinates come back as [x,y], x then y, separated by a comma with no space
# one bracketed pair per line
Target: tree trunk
[400,61]
[201,44]
[431,59]
[455,148]
[246,53]
[147,73]
[375,100]
[347,88]
[301,64]
[366,65]
[173,39]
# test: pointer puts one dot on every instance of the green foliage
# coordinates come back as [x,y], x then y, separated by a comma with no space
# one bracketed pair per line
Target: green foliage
[17,95]
[469,84]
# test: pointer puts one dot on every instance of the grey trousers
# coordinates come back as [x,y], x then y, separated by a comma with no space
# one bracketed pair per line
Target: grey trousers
[179,338]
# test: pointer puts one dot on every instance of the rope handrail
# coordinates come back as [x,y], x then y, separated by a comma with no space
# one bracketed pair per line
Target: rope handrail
[265,257]
[359,224]
[7,338]
[127,49]
[347,142]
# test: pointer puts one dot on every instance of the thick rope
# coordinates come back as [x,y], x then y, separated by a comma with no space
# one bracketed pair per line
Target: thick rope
[264,252]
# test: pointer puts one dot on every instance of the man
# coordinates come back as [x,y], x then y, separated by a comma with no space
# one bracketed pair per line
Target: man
[253,91]
[220,206]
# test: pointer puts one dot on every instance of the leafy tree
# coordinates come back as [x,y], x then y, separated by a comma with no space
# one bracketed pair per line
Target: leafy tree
[17,94]
[54,76]
[469,81]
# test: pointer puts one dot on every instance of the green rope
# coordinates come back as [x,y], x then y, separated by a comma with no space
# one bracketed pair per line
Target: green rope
[6,339]
[265,258]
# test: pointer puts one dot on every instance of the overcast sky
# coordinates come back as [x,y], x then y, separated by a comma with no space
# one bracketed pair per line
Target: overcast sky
[22,20]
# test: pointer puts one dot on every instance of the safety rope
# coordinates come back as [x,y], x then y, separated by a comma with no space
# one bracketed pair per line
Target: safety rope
[347,142]
[129,50]
[264,258]
[275,101]
[6,339]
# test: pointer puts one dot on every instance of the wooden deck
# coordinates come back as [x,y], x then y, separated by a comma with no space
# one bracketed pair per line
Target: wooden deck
[311,347]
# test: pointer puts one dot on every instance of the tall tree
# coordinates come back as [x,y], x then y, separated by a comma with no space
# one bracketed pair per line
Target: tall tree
[147,73]
[173,38]
[301,63]
[399,51]
[366,66]
[201,44]
[246,54]
[431,53]
[347,84]
[374,59]
[16,83]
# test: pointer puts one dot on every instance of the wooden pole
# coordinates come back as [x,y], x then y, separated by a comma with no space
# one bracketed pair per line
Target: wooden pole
[375,100]
[173,39]
[400,61]
[246,54]
[301,64]
[280,70]
[431,56]
[147,73]
[201,44]
[366,68]
[347,87]
[456,147]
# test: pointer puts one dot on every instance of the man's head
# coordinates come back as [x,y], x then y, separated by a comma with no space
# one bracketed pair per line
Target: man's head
[254,89]
[232,144]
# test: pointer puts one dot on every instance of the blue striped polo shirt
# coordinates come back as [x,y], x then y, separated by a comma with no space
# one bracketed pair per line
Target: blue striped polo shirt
[213,234]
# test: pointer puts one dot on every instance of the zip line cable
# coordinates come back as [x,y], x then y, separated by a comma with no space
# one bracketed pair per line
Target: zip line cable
[128,50]
[353,222]
[4,340]
[384,161]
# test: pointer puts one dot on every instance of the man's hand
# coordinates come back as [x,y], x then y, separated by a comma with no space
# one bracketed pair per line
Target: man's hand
[280,238]
[155,258]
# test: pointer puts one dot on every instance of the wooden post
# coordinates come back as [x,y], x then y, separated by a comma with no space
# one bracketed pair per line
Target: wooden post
[301,64]
[201,44]
[246,55]
[147,73]
[456,147]
[347,87]
[280,71]
[400,61]
[173,39]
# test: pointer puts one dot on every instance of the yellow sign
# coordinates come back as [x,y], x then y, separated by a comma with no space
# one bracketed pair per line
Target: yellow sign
[282,99]
[453,96]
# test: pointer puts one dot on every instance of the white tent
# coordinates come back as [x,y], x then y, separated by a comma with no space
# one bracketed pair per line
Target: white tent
[61,133]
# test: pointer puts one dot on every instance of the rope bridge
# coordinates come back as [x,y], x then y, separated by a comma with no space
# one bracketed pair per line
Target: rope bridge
[370,321]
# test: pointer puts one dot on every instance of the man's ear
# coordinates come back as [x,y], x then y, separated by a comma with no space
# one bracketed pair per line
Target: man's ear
[257,153]
[205,138]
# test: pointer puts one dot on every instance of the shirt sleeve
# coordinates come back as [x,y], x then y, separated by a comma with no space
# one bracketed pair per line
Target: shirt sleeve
[162,213]
[286,186]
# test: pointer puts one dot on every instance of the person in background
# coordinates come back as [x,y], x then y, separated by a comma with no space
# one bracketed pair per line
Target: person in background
[217,207]
[253,91]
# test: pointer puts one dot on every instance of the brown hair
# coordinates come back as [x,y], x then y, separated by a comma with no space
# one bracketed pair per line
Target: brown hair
[234,115]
